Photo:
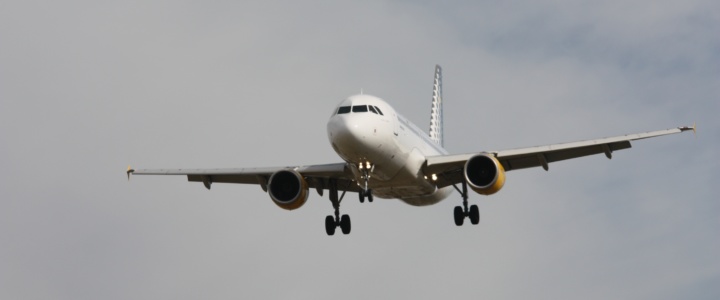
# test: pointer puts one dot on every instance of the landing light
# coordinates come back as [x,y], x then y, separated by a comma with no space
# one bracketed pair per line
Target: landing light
[367,164]
[434,177]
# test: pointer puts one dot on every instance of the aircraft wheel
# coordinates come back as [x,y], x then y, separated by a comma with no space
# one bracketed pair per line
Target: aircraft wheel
[330,225]
[345,224]
[459,215]
[474,215]
[361,196]
[370,196]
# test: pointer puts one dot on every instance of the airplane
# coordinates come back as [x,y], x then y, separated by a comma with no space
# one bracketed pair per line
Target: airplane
[386,156]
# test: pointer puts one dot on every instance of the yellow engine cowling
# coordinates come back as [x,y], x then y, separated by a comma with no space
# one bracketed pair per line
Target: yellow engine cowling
[485,174]
[288,189]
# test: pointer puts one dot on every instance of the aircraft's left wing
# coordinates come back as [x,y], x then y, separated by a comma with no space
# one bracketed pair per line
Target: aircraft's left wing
[317,176]
[448,169]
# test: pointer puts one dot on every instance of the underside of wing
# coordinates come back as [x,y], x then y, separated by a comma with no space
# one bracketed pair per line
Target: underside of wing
[449,168]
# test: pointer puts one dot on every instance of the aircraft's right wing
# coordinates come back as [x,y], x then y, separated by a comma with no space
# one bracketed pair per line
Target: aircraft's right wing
[317,176]
[449,168]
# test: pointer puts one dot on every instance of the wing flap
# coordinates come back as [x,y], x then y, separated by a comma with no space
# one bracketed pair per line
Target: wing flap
[236,178]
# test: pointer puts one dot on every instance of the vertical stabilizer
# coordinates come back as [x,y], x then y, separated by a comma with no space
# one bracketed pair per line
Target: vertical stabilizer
[436,114]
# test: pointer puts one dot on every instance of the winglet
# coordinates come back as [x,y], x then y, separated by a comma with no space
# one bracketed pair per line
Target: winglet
[129,171]
[693,128]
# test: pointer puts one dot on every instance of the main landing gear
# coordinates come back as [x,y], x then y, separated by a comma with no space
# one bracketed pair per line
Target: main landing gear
[461,212]
[333,222]
[366,169]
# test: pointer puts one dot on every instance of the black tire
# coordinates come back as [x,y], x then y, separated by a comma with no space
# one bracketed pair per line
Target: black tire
[345,224]
[459,215]
[474,215]
[370,196]
[361,196]
[330,225]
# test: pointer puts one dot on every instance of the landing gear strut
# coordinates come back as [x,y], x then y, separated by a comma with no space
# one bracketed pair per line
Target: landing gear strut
[366,192]
[333,222]
[461,212]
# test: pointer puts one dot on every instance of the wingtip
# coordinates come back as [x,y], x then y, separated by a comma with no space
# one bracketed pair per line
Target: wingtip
[688,128]
[129,171]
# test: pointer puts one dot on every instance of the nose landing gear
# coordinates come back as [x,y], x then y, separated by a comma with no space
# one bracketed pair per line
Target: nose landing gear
[366,169]
[365,193]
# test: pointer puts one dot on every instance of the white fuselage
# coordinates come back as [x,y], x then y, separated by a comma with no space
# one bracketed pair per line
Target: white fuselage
[366,131]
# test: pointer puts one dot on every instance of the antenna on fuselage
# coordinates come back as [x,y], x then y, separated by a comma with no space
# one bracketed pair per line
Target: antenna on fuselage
[436,113]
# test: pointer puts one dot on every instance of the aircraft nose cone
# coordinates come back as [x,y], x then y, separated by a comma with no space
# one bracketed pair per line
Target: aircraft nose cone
[346,132]
[348,135]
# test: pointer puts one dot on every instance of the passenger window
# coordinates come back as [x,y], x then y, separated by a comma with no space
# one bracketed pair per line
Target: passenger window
[343,110]
[359,108]
[372,109]
[379,111]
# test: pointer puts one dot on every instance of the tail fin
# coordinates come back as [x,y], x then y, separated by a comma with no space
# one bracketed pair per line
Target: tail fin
[436,114]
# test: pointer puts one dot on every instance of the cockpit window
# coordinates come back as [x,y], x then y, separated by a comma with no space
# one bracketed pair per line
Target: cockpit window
[359,108]
[343,110]
[372,109]
[379,111]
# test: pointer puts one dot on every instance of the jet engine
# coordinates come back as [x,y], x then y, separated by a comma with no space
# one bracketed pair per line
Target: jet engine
[484,174]
[288,189]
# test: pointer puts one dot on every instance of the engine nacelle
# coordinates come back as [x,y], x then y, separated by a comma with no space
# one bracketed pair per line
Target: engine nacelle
[485,174]
[288,189]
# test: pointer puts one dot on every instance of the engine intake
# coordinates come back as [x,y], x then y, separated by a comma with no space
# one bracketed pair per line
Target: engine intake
[288,189]
[484,174]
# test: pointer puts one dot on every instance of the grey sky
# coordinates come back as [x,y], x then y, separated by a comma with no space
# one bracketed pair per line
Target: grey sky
[87,88]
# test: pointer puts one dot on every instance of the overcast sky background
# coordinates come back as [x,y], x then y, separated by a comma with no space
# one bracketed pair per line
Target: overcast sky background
[88,87]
